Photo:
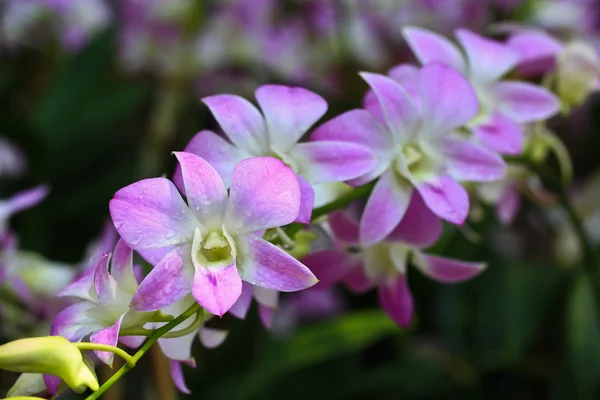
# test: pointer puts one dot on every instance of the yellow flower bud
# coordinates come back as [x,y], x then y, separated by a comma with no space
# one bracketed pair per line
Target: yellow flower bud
[52,355]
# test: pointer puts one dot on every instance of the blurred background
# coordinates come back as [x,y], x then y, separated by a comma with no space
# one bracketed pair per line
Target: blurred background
[96,94]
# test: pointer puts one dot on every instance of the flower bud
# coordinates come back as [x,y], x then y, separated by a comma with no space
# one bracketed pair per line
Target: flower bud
[578,73]
[52,355]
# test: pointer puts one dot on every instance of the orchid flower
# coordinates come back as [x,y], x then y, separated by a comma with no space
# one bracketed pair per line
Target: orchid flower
[504,106]
[418,147]
[288,114]
[12,161]
[103,306]
[209,245]
[384,264]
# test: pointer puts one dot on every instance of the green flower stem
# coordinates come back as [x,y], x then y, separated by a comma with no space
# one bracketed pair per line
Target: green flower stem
[105,347]
[144,349]
[169,335]
[342,202]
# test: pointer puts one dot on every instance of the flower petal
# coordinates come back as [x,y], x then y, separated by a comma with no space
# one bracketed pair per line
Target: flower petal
[218,152]
[357,281]
[151,214]
[419,227]
[217,288]
[81,287]
[109,336]
[266,265]
[537,50]
[240,308]
[178,378]
[307,201]
[489,60]
[102,282]
[122,268]
[446,270]
[241,121]
[360,127]
[73,322]
[525,102]
[397,301]
[446,198]
[204,189]
[169,281]
[266,297]
[428,46]
[264,194]
[332,161]
[500,134]
[26,199]
[266,315]
[385,208]
[329,266]
[447,99]
[469,162]
[180,348]
[212,338]
[343,227]
[398,108]
[508,204]
[407,76]
[289,112]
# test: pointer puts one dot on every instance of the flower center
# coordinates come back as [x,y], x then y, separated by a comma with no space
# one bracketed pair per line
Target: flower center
[414,162]
[215,249]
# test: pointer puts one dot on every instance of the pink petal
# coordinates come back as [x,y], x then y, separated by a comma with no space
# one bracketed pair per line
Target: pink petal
[102,284]
[307,201]
[212,338]
[52,383]
[329,266]
[218,152]
[122,267]
[151,214]
[73,322]
[360,127]
[446,198]
[81,287]
[466,161]
[397,301]
[446,270]
[178,377]
[289,112]
[500,134]
[241,121]
[508,204]
[429,46]
[109,336]
[332,161]
[204,189]
[357,281]
[217,288]
[25,199]
[447,99]
[240,308]
[537,49]
[525,102]
[343,227]
[266,265]
[419,227]
[132,341]
[385,208]
[266,297]
[407,76]
[179,349]
[489,60]
[264,194]
[266,315]
[169,281]
[398,108]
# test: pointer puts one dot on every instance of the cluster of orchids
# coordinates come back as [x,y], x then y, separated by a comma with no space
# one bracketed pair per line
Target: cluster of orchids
[241,215]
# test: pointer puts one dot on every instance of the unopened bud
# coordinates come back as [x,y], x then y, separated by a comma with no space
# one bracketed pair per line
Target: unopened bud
[52,355]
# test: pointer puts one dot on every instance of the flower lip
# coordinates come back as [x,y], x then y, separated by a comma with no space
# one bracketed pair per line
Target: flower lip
[216,248]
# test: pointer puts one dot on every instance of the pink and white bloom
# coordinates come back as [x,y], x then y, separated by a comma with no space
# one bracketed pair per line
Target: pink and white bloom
[103,307]
[212,243]
[287,114]
[385,263]
[504,105]
[418,147]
